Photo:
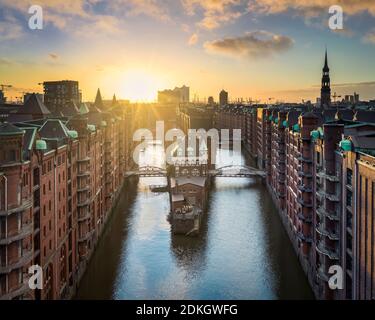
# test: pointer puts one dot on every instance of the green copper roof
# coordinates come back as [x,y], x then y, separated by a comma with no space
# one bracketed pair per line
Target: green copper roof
[40,145]
[346,145]
[296,128]
[91,127]
[276,120]
[73,134]
[285,123]
[321,133]
[83,109]
[315,135]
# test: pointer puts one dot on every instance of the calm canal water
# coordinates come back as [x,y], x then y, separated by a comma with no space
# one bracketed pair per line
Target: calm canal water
[242,251]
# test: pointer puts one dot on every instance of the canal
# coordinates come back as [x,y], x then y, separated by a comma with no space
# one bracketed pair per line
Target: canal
[242,252]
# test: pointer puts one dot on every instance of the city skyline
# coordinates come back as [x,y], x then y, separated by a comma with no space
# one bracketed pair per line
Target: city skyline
[253,49]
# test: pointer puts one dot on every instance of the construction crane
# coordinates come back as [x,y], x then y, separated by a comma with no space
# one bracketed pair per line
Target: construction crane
[3,86]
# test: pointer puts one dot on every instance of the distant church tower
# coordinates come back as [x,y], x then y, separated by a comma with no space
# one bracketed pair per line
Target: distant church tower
[325,96]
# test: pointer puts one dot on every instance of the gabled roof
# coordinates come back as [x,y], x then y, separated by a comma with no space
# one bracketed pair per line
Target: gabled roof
[114,100]
[83,109]
[345,114]
[70,110]
[8,129]
[53,129]
[329,115]
[365,142]
[98,100]
[365,116]
[35,106]
[292,117]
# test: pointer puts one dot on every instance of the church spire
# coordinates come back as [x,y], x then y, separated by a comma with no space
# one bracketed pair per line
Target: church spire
[114,100]
[326,68]
[325,96]
[98,100]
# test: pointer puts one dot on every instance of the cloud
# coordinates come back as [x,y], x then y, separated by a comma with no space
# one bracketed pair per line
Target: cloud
[10,29]
[311,8]
[149,7]
[193,39]
[5,62]
[88,17]
[370,37]
[215,12]
[53,56]
[351,84]
[253,45]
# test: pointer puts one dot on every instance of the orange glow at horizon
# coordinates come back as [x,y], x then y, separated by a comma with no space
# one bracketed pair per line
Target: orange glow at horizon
[139,86]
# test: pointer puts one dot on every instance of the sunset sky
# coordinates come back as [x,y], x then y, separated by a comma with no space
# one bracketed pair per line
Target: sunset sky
[251,48]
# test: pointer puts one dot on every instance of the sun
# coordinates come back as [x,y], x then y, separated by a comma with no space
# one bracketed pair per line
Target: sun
[139,86]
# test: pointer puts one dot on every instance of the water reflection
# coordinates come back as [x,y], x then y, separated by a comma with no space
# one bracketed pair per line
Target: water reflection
[242,251]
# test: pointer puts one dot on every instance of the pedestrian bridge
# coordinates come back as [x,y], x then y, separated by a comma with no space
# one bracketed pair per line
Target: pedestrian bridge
[231,171]
[237,171]
[147,171]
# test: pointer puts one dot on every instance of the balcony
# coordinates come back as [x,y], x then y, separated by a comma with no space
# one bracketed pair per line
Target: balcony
[304,174]
[26,204]
[85,203]
[86,159]
[304,203]
[332,178]
[87,236]
[22,261]
[25,231]
[83,174]
[302,217]
[330,253]
[305,160]
[84,189]
[303,188]
[322,274]
[329,196]
[331,215]
[304,238]
[84,217]
[331,233]
[17,291]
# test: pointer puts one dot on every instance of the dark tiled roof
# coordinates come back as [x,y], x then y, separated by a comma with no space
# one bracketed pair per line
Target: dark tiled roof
[363,142]
[346,114]
[310,115]
[34,106]
[8,129]
[329,115]
[365,116]
[70,110]
[98,100]
[15,117]
[53,129]
[293,117]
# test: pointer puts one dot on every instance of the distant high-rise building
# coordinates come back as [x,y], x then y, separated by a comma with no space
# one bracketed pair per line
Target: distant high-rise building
[2,97]
[177,95]
[59,94]
[211,101]
[223,98]
[325,95]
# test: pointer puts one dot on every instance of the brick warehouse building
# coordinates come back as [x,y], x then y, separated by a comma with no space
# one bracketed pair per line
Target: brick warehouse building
[325,198]
[59,180]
